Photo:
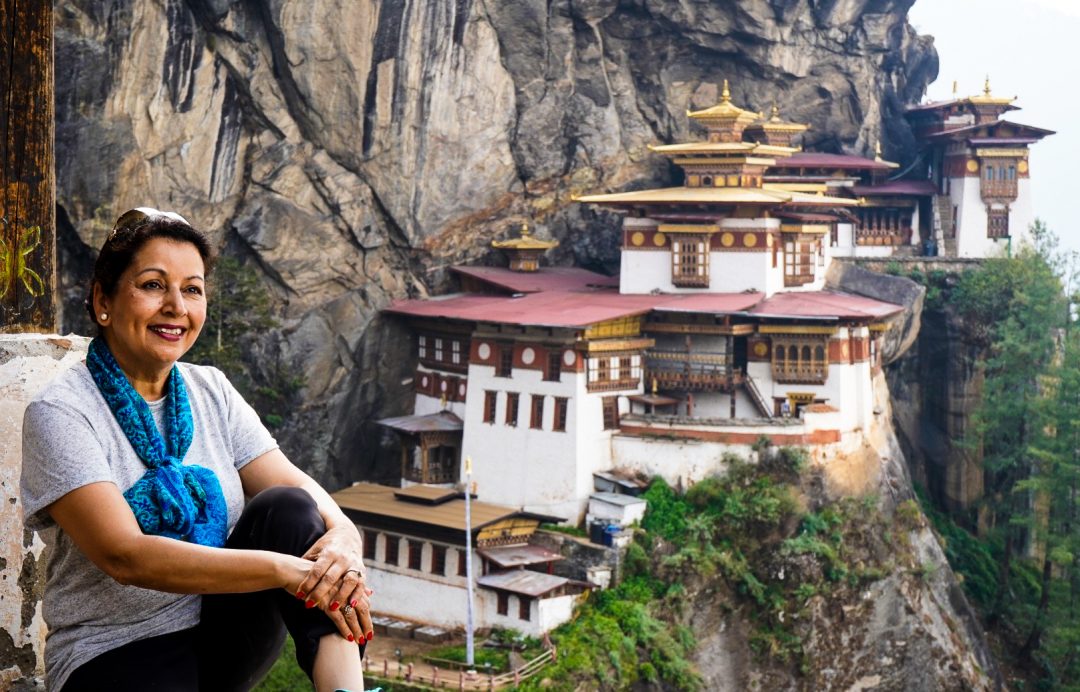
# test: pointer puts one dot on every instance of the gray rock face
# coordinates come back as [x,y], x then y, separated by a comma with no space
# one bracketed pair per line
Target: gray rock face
[352,149]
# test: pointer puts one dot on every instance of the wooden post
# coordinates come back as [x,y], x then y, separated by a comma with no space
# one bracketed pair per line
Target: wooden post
[27,175]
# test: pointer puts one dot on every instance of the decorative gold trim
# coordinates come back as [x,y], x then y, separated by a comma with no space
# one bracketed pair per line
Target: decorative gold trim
[804,228]
[1001,153]
[796,329]
[1022,166]
[972,166]
[727,239]
[680,328]
[608,345]
[749,239]
[881,327]
[659,239]
[688,228]
[637,239]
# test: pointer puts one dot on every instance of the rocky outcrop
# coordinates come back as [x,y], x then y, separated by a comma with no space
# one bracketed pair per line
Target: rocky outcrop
[904,331]
[351,149]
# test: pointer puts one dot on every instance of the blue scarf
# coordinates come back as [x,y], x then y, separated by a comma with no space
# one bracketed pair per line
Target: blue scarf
[171,500]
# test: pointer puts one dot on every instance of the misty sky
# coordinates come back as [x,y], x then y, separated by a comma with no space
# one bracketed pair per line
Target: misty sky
[1024,45]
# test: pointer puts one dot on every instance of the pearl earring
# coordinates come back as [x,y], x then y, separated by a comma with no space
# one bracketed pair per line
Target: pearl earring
[104,316]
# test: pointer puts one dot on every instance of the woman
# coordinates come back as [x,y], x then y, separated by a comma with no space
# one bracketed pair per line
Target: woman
[136,468]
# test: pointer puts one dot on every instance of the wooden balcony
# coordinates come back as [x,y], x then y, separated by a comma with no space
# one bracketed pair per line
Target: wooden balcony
[801,374]
[692,372]
[616,385]
[999,189]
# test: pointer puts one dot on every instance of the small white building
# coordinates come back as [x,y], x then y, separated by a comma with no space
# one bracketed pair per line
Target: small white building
[414,551]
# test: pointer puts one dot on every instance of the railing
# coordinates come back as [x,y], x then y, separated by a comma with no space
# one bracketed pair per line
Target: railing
[998,189]
[755,395]
[436,473]
[800,374]
[798,279]
[434,678]
[613,385]
[702,371]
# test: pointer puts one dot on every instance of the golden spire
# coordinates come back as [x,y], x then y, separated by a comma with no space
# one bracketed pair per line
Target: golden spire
[725,95]
[654,386]
[955,88]
[525,232]
[986,87]
[775,111]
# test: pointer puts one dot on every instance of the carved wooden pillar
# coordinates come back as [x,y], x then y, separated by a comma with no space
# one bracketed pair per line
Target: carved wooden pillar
[27,177]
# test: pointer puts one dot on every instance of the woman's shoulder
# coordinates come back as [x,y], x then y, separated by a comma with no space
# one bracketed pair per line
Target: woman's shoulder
[205,378]
[70,386]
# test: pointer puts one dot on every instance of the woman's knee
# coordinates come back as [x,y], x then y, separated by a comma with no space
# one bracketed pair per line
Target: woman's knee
[281,518]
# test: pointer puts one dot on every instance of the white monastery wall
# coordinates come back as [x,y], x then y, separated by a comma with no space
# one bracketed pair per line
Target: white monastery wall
[517,465]
[677,461]
[1022,213]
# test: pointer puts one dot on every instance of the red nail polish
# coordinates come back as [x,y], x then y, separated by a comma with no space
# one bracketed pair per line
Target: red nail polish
[353,602]
[333,606]
[361,640]
[350,638]
[300,594]
[310,603]
[371,635]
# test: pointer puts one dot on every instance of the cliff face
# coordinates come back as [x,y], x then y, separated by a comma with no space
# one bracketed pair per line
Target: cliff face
[350,150]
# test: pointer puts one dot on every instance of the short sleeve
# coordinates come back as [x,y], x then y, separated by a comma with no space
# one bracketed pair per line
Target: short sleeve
[249,437]
[61,453]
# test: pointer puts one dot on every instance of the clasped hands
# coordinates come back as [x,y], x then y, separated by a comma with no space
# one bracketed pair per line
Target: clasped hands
[335,583]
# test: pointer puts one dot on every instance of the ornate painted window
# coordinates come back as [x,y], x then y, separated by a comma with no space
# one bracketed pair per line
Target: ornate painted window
[690,260]
[443,352]
[614,371]
[997,223]
[611,412]
[800,359]
[799,256]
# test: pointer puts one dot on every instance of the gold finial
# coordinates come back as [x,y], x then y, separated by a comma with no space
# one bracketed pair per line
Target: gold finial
[525,232]
[955,88]
[442,402]
[986,86]
[725,95]
[654,386]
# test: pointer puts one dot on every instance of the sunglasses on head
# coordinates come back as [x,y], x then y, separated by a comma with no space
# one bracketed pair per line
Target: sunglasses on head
[133,218]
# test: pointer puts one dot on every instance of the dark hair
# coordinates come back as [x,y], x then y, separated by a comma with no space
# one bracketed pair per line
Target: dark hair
[134,229]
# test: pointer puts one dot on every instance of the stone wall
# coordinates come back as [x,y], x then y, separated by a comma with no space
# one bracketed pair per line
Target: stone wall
[27,363]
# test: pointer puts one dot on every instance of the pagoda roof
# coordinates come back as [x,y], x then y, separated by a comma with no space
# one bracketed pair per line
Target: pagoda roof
[547,279]
[823,305]
[715,195]
[727,148]
[960,132]
[443,421]
[904,188]
[525,241]
[822,160]
[1004,102]
[725,110]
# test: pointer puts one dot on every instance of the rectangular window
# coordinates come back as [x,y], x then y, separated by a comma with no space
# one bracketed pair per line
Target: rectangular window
[462,566]
[416,551]
[524,607]
[554,365]
[624,368]
[489,406]
[505,366]
[798,262]
[422,346]
[690,260]
[562,404]
[438,559]
[370,540]
[438,349]
[612,372]
[503,603]
[455,352]
[997,223]
[391,552]
[611,412]
[536,420]
[511,408]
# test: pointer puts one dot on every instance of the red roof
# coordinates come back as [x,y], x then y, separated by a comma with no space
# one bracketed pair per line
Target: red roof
[823,305]
[916,188]
[547,279]
[816,160]
[710,303]
[547,309]
[971,129]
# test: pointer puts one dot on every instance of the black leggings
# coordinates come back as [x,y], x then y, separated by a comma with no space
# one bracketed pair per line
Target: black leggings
[240,635]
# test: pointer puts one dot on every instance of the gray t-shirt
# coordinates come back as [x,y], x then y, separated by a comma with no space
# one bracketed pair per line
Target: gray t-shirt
[71,439]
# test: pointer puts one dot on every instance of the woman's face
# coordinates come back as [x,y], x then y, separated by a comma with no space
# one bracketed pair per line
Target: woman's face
[158,308]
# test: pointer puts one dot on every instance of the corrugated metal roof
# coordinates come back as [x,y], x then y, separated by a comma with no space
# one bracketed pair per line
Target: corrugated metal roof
[523,581]
[546,279]
[896,187]
[443,421]
[380,500]
[823,305]
[710,303]
[508,556]
[820,160]
[617,499]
